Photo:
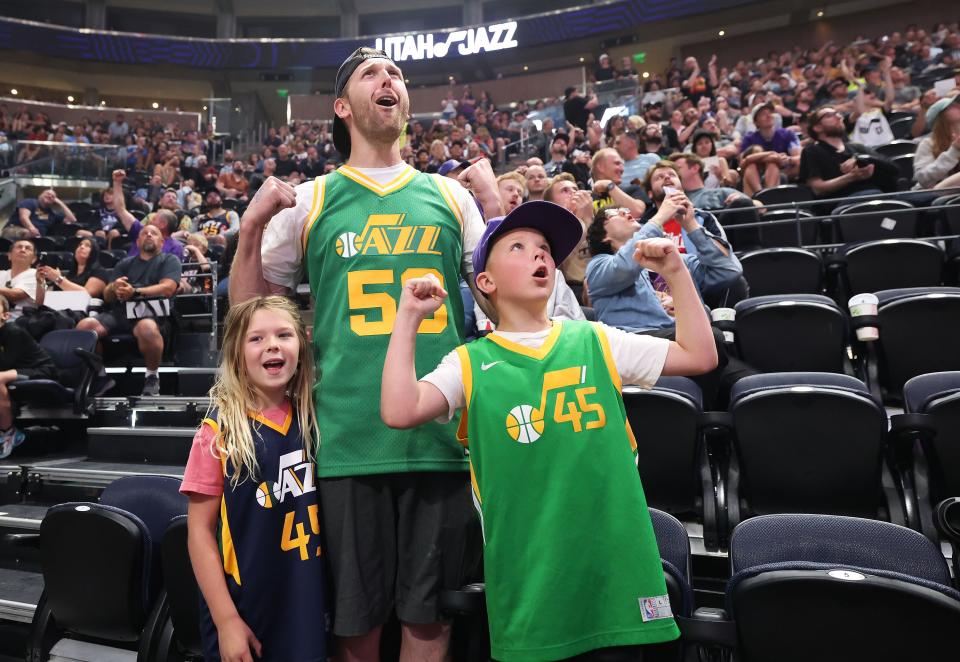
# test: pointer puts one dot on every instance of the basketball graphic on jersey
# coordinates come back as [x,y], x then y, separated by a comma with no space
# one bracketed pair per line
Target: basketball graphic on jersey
[524,424]
[348,244]
[263,495]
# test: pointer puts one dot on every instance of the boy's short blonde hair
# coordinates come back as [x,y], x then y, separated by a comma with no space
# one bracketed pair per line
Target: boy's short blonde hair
[515,176]
[201,240]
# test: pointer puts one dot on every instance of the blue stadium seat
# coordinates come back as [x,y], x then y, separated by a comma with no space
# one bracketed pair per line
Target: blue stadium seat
[917,335]
[783,271]
[73,352]
[792,332]
[809,443]
[673,459]
[100,564]
[835,589]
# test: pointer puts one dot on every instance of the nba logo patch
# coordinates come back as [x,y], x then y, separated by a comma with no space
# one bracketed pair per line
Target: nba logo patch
[524,424]
[652,609]
[348,244]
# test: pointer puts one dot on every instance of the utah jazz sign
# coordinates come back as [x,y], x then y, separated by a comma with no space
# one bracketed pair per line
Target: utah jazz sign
[428,45]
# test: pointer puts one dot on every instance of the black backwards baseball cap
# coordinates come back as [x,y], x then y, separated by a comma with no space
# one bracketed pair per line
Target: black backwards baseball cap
[341,135]
[562,229]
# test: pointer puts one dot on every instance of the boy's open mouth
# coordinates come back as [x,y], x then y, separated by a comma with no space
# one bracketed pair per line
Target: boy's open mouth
[541,272]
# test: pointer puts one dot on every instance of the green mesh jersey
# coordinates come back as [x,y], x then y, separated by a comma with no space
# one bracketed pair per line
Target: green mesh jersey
[361,243]
[570,558]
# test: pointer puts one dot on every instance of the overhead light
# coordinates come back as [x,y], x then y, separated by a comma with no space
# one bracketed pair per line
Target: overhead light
[237,109]
[722,32]
[406,81]
[155,104]
[526,68]
[103,103]
[646,74]
[14,92]
[819,13]
[450,78]
[70,99]
[204,107]
[581,59]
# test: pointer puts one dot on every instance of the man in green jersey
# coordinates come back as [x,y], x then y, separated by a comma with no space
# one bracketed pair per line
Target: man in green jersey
[571,563]
[394,504]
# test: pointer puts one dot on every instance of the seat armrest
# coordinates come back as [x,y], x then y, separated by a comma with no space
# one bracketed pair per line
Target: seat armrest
[715,420]
[93,360]
[708,626]
[912,423]
[23,540]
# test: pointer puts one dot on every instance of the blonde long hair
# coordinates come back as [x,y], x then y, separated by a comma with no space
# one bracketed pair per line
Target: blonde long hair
[234,396]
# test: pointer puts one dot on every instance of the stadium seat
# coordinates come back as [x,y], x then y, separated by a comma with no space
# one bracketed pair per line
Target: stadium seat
[904,163]
[672,455]
[809,442]
[930,451]
[901,128]
[835,589]
[948,524]
[779,234]
[890,263]
[101,566]
[74,353]
[897,148]
[792,332]
[784,194]
[783,271]
[917,335]
[885,219]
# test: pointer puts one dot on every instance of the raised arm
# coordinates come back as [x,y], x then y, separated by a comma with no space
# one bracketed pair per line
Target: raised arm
[119,203]
[404,401]
[246,275]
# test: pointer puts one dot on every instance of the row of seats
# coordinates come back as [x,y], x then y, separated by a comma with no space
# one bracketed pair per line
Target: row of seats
[810,332]
[117,574]
[797,442]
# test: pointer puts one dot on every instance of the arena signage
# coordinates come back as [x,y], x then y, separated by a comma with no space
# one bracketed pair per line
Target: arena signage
[427,46]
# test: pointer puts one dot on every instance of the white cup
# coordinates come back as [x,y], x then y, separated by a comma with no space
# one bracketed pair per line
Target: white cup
[723,314]
[864,304]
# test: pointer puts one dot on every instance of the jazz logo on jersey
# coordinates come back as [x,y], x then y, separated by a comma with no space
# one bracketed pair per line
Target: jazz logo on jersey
[385,234]
[525,423]
[295,478]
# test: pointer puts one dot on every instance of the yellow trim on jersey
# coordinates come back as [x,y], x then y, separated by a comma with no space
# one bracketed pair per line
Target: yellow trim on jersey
[395,184]
[319,192]
[614,373]
[466,372]
[473,483]
[230,564]
[263,420]
[444,187]
[539,353]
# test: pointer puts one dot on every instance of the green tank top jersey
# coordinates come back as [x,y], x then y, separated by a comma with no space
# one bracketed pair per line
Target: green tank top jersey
[570,558]
[362,242]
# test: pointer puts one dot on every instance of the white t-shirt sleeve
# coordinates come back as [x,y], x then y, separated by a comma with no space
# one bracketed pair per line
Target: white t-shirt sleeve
[639,358]
[473,223]
[448,378]
[281,252]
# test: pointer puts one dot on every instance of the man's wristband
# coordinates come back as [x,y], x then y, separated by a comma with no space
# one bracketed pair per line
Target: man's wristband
[610,187]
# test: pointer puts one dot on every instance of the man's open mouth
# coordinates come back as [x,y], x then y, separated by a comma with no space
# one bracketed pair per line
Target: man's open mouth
[386,100]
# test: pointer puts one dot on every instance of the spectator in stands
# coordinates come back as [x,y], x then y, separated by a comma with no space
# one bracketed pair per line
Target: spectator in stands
[149,274]
[196,254]
[626,67]
[234,184]
[286,165]
[537,182]
[716,170]
[18,284]
[691,168]
[695,85]
[937,161]
[227,163]
[217,223]
[577,108]
[20,357]
[767,152]
[312,166]
[34,217]
[563,191]
[604,70]
[169,170]
[258,178]
[89,276]
[166,219]
[635,164]
[513,189]
[829,165]
[606,169]
[118,129]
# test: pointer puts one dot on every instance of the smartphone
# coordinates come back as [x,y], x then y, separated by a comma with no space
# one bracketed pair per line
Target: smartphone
[669,190]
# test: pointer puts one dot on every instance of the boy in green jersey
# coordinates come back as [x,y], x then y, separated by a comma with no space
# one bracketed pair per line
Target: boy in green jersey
[571,563]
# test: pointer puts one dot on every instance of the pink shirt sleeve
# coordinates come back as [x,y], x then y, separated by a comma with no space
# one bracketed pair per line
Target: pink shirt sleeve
[204,473]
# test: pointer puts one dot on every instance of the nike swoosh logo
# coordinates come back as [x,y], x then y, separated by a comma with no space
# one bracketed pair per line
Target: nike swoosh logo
[487,366]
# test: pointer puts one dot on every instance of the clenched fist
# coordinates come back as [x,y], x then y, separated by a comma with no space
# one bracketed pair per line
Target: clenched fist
[273,197]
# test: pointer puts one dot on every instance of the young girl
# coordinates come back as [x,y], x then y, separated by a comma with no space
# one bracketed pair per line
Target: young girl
[253,518]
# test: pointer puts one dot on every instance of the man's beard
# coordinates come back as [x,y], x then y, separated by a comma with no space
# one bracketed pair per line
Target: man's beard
[831,132]
[148,247]
[381,132]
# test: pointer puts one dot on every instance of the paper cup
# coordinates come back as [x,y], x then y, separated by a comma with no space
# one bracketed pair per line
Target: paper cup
[864,304]
[723,314]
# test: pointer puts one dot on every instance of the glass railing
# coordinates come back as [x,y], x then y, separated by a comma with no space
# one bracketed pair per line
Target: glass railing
[39,158]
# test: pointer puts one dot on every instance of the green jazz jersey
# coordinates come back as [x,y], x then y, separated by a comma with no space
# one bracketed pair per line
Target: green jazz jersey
[362,241]
[570,558]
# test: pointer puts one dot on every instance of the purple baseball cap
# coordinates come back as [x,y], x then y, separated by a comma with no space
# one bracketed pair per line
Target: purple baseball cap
[562,229]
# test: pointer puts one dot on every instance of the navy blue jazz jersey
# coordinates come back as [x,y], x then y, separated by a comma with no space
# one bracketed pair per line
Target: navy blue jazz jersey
[269,537]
